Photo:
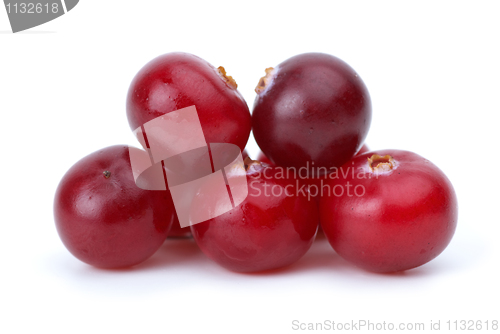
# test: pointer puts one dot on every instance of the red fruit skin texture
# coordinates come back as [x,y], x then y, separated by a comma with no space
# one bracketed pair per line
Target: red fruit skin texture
[110,222]
[177,80]
[263,232]
[315,108]
[406,217]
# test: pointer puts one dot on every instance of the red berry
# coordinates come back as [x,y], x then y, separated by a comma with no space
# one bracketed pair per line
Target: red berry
[177,80]
[267,230]
[395,212]
[311,108]
[103,218]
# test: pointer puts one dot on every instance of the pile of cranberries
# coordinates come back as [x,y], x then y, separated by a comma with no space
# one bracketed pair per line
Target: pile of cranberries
[384,211]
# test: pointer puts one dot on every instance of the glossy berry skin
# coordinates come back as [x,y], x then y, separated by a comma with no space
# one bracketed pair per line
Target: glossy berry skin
[311,108]
[103,218]
[268,230]
[396,219]
[177,80]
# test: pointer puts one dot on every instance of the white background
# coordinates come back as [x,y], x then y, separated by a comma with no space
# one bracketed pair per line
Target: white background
[432,69]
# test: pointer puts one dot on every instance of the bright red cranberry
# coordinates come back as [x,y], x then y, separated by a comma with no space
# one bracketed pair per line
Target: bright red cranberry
[390,211]
[103,218]
[177,80]
[272,228]
[311,108]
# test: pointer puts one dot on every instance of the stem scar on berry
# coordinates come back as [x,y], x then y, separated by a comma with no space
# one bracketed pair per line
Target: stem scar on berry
[248,162]
[265,80]
[227,78]
[106,174]
[379,163]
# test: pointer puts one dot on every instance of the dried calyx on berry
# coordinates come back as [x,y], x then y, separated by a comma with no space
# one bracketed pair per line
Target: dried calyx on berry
[265,81]
[380,164]
[227,78]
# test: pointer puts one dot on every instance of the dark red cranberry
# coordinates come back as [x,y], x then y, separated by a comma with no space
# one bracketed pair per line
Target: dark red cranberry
[272,228]
[311,108]
[177,80]
[103,218]
[389,211]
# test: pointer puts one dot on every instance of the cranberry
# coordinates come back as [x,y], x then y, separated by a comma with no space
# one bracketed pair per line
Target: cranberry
[177,80]
[272,228]
[390,211]
[103,218]
[311,108]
